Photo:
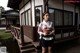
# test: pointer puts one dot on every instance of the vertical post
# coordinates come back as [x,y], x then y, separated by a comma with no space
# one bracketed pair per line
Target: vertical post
[0,15]
[45,6]
[62,19]
[74,14]
[79,18]
[33,12]
[6,23]
[17,33]
[61,33]
[0,18]
[75,20]
[22,36]
[63,12]
[69,33]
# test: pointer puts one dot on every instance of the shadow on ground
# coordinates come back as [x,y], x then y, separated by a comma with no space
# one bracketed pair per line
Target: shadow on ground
[12,46]
[72,46]
[65,47]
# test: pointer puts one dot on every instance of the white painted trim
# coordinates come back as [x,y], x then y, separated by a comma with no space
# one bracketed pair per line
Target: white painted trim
[38,2]
[33,12]
[27,6]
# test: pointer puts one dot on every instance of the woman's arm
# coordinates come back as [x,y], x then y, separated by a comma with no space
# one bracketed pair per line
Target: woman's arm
[53,30]
[40,31]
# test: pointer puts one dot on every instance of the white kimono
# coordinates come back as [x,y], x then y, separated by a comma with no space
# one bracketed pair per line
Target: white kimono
[43,25]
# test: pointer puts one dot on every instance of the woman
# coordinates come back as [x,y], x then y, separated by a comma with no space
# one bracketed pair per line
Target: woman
[46,31]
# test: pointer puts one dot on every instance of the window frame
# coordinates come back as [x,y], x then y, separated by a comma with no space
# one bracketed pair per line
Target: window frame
[62,17]
[68,17]
[27,16]
[22,19]
[40,15]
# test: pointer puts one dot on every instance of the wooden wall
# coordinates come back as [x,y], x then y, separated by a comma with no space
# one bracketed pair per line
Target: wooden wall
[31,32]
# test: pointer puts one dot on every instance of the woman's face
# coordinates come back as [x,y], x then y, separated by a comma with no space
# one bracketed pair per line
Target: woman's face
[46,17]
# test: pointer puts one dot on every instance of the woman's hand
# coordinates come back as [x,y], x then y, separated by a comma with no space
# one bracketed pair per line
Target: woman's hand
[51,33]
[44,34]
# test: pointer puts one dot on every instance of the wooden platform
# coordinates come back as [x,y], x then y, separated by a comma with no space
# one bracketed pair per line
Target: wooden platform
[59,40]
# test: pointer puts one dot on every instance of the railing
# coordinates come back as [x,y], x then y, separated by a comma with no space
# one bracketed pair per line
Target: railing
[68,31]
[17,34]
[72,32]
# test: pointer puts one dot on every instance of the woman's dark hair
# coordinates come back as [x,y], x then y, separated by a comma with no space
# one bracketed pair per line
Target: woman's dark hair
[45,13]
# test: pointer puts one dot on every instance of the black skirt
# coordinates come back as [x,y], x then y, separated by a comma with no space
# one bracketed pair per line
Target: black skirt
[46,43]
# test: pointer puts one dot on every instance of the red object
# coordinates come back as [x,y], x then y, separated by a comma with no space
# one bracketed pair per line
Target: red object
[47,31]
[74,1]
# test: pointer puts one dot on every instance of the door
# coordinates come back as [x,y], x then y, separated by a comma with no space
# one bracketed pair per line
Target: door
[38,15]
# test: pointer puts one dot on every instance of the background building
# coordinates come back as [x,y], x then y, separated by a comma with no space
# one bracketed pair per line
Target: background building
[2,19]
[11,17]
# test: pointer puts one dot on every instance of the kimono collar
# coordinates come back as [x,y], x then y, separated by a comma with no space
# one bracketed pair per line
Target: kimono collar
[45,22]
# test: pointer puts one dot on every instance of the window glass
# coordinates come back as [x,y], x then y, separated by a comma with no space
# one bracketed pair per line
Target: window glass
[22,19]
[58,18]
[29,17]
[51,15]
[26,18]
[66,18]
[70,18]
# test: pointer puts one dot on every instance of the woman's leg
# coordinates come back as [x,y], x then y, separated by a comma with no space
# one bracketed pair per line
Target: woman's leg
[49,49]
[43,50]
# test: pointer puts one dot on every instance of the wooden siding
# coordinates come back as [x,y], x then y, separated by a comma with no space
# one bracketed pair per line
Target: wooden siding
[28,31]
[31,32]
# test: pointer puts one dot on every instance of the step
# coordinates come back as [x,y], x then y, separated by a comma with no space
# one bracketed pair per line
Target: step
[26,46]
[26,40]
[29,50]
[35,43]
